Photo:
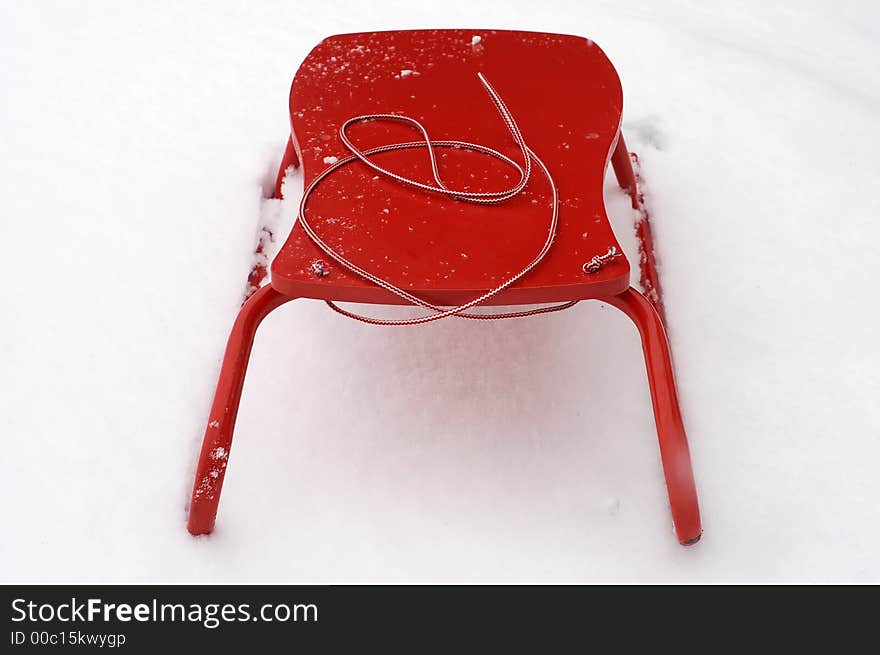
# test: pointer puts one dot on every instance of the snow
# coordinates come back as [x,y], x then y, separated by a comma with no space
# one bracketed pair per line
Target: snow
[139,144]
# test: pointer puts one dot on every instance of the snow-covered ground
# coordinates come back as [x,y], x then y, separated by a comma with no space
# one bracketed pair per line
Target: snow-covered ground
[138,142]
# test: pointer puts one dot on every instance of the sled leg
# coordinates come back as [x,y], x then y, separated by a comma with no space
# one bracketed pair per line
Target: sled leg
[260,266]
[628,179]
[623,170]
[221,422]
[667,417]
[289,159]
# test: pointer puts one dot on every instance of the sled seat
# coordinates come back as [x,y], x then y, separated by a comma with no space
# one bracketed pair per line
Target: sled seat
[566,98]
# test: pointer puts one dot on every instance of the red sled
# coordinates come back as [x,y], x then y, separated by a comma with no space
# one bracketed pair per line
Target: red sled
[566,97]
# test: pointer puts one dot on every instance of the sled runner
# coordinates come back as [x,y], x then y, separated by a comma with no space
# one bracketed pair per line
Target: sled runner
[453,169]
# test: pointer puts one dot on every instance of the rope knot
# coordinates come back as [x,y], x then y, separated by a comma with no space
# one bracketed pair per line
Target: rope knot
[597,262]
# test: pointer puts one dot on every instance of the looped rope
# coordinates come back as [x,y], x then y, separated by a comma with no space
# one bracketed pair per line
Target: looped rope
[481,197]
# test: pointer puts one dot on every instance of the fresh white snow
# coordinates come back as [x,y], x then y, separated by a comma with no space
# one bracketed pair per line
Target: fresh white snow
[139,143]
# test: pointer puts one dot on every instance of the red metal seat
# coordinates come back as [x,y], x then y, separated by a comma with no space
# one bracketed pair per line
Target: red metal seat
[566,98]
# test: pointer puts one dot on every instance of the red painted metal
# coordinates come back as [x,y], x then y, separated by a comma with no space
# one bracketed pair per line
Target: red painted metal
[628,172]
[221,421]
[259,270]
[567,99]
[670,429]
[290,159]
